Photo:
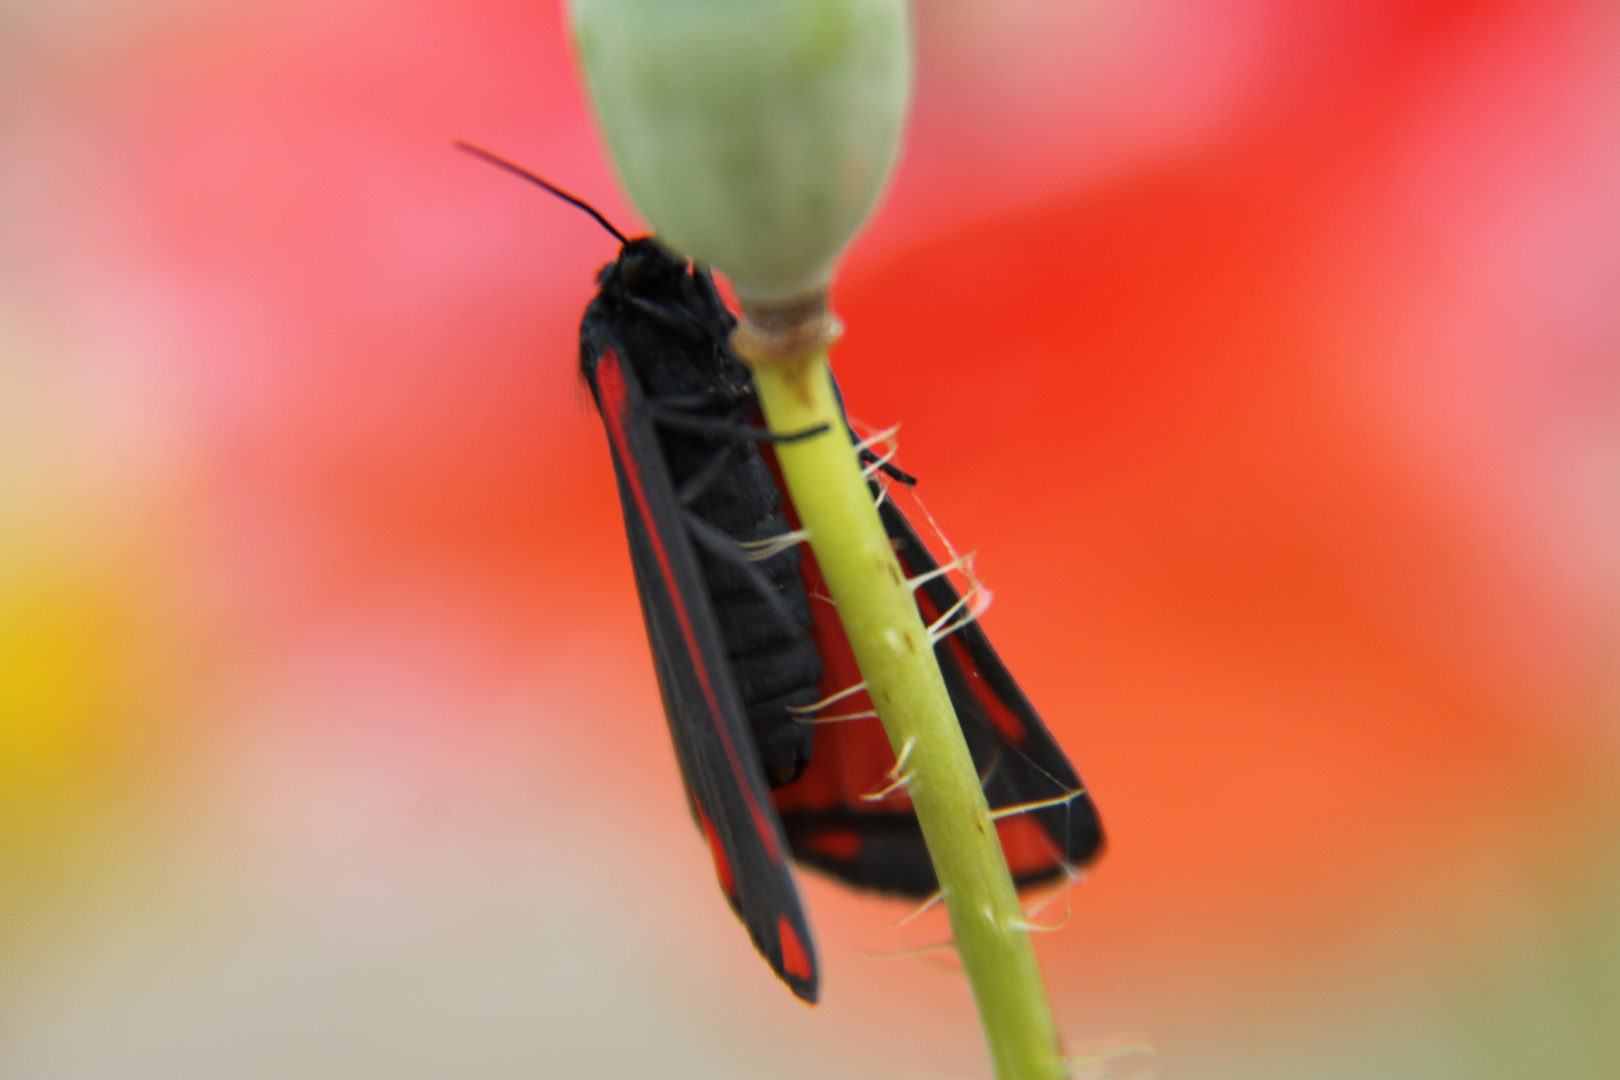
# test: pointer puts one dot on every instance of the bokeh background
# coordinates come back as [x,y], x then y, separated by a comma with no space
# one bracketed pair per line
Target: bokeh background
[1269,353]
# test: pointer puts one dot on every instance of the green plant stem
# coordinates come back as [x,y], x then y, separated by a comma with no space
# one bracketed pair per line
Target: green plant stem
[890,642]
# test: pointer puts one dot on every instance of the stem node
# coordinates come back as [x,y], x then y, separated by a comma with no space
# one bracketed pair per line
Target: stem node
[783,331]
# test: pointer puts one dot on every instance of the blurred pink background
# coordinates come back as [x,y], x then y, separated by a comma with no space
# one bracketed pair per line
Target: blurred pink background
[1268,353]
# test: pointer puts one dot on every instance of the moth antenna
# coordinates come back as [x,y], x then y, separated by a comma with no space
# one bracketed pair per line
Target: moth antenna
[1039,804]
[807,710]
[518,170]
[931,902]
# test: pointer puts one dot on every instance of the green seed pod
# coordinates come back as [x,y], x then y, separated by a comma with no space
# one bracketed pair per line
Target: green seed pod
[754,135]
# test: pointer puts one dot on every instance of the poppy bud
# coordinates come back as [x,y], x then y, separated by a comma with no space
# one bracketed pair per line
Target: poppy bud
[753,135]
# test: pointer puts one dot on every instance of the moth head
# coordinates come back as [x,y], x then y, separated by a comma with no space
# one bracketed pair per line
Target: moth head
[646,266]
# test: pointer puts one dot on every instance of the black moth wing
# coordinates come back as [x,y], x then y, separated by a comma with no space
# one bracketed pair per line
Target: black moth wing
[1018,760]
[873,845]
[708,724]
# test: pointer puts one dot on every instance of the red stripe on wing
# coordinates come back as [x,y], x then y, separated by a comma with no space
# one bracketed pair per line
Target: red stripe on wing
[722,865]
[795,957]
[615,407]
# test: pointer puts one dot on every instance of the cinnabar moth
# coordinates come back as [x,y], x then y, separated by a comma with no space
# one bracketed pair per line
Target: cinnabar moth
[745,645]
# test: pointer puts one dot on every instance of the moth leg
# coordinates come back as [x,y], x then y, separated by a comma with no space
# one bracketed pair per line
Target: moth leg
[670,318]
[706,475]
[702,399]
[722,546]
[869,469]
[720,425]
[801,715]
[674,414]
[872,463]
[790,437]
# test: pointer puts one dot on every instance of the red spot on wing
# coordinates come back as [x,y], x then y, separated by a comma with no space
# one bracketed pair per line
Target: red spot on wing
[1027,847]
[841,844]
[722,865]
[795,957]
[615,407]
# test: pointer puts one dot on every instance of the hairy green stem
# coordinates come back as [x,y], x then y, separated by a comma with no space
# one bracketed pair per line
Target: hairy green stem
[890,642]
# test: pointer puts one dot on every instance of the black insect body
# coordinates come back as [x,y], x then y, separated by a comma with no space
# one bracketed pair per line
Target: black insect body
[668,326]
[739,644]
[745,640]
[694,489]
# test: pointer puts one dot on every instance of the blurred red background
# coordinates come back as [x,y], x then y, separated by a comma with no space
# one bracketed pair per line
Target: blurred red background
[1269,354]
